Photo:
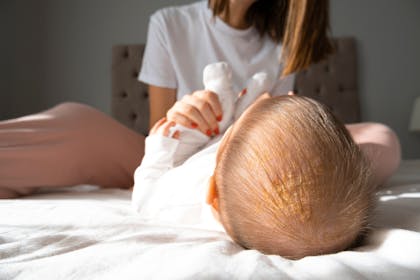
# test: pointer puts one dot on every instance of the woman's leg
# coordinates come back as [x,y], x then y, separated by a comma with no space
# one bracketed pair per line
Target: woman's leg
[381,145]
[67,145]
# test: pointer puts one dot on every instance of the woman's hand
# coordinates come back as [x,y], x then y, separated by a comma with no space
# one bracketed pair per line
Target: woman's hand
[200,110]
[162,126]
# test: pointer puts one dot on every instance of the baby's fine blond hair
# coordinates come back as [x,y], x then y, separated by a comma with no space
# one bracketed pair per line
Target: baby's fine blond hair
[292,182]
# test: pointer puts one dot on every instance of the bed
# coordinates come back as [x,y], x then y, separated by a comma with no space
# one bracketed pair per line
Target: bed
[85,232]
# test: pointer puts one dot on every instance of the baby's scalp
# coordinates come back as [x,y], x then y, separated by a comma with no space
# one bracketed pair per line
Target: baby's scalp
[291,181]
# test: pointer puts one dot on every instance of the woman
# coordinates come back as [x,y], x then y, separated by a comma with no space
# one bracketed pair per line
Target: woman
[250,35]
[75,144]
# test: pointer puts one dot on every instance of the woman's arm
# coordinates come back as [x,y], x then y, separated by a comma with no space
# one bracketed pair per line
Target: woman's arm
[160,101]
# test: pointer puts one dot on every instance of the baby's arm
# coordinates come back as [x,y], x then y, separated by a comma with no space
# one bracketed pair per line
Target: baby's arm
[158,159]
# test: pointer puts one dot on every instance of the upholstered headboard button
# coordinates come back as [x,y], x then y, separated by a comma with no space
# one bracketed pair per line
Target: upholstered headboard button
[334,81]
[130,103]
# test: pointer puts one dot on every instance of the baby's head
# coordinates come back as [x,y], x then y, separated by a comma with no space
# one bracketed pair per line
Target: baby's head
[289,180]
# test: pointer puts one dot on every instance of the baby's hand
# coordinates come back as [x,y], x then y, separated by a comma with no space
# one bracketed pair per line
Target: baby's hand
[162,126]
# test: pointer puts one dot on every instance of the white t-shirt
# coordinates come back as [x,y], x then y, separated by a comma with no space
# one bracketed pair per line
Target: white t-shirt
[164,194]
[183,40]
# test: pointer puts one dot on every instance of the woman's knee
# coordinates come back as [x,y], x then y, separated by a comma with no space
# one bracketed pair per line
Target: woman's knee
[380,144]
[77,115]
[373,132]
[73,108]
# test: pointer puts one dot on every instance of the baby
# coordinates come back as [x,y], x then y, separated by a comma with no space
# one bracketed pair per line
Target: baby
[285,179]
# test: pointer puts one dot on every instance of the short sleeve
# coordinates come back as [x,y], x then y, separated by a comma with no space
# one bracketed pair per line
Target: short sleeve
[157,68]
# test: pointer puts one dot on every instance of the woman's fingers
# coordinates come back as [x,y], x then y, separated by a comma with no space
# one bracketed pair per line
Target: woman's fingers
[187,115]
[242,92]
[201,110]
[163,127]
[213,100]
[207,123]
[156,126]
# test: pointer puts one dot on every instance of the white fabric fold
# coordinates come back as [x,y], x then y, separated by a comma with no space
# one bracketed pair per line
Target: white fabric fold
[91,233]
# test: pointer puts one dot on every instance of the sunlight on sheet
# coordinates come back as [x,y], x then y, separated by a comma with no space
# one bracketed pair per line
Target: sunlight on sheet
[403,195]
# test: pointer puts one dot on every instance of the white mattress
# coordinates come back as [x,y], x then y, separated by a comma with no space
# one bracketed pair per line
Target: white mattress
[90,233]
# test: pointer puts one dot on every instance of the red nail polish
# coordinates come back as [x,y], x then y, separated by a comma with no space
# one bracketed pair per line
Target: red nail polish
[208,132]
[244,91]
[216,131]
[194,125]
[219,118]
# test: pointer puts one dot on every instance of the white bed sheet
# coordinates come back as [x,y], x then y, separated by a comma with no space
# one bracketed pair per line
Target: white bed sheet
[90,233]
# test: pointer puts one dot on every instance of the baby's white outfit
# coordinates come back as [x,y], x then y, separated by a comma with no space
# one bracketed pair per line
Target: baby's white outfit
[165,194]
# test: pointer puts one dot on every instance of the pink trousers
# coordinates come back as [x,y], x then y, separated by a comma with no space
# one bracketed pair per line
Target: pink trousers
[67,145]
[73,144]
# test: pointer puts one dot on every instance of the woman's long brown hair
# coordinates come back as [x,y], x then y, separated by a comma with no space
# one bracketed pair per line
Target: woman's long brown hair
[301,26]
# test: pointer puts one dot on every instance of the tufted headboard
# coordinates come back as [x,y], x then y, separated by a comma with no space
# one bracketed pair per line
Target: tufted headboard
[333,82]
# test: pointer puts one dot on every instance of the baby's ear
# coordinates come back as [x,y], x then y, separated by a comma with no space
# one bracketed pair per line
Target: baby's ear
[212,195]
